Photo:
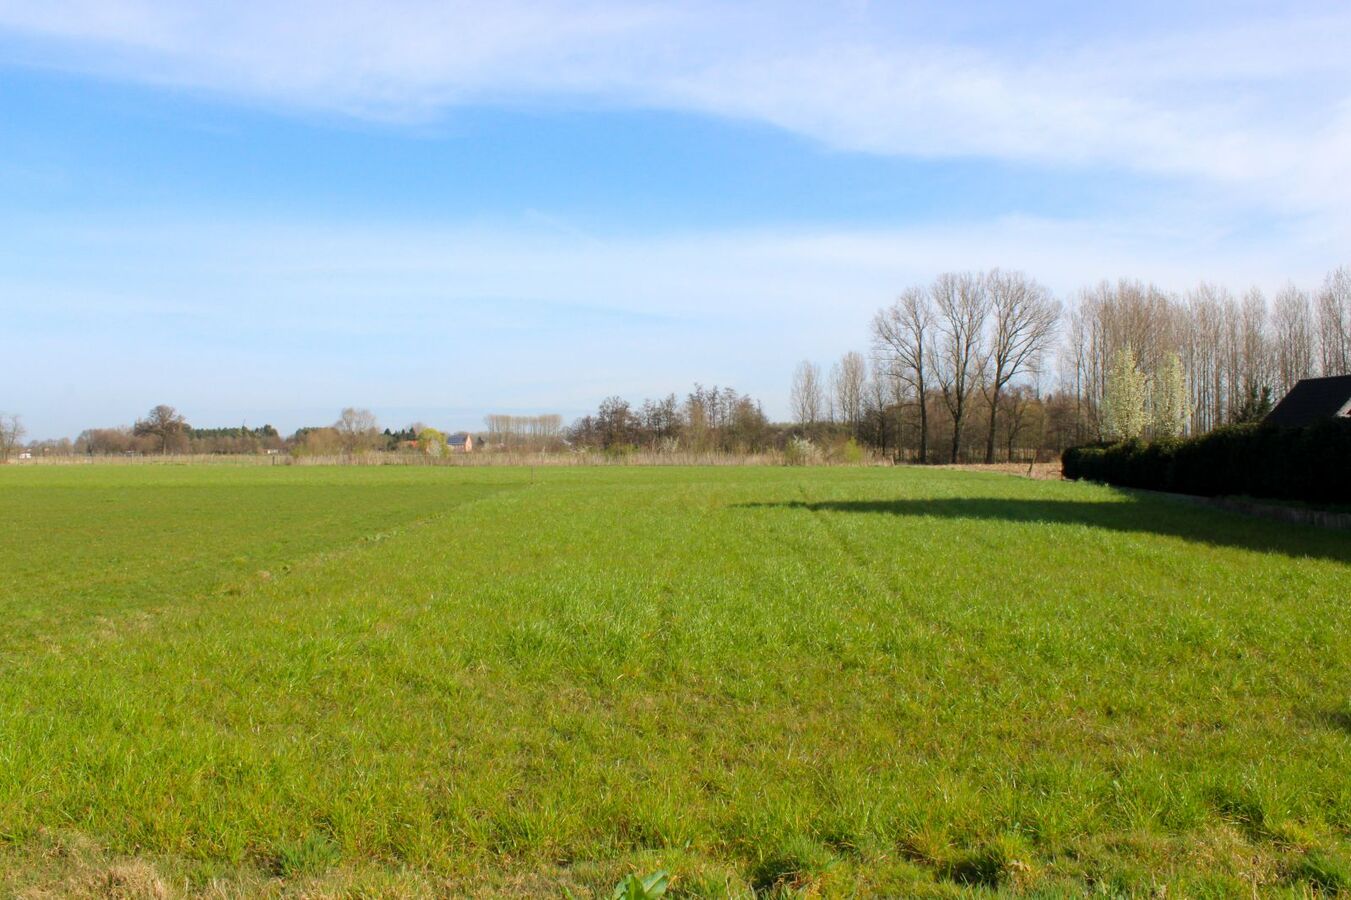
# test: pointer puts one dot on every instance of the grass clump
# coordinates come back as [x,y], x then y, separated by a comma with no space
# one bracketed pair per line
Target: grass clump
[1324,872]
[791,864]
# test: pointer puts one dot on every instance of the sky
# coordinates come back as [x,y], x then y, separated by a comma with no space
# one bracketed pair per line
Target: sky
[262,212]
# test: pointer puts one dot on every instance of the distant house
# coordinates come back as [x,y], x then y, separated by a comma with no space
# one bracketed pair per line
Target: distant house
[26,454]
[461,442]
[1312,400]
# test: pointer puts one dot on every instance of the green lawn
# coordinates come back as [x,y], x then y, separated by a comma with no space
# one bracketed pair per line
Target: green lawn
[447,680]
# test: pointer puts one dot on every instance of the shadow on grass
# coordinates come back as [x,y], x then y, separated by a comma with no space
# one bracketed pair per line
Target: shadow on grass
[1338,720]
[1149,516]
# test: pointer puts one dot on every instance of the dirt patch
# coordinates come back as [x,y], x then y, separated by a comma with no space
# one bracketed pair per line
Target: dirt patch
[130,880]
[1049,471]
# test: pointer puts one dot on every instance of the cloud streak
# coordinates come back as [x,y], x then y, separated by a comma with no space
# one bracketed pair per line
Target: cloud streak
[1260,103]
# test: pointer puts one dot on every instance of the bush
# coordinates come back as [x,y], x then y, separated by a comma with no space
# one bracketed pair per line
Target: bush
[1312,464]
[799,452]
[852,453]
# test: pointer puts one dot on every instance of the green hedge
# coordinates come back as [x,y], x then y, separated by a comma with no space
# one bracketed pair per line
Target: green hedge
[1312,464]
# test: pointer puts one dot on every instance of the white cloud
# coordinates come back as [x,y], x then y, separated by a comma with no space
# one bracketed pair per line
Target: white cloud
[1257,104]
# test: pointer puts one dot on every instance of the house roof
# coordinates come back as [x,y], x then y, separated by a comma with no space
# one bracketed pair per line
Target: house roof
[1311,400]
[458,437]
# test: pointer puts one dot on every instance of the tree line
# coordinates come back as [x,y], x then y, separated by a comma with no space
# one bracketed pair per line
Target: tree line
[165,430]
[707,419]
[971,367]
[984,366]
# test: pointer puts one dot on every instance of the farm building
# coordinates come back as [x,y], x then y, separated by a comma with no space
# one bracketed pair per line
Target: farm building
[461,442]
[1312,400]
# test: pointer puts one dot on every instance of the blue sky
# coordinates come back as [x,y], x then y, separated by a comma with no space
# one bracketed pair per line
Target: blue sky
[264,212]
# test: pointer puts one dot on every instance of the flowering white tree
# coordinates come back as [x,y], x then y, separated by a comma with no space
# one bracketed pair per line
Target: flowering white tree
[1123,405]
[1172,402]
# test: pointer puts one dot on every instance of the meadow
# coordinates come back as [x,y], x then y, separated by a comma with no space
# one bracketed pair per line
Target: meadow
[239,681]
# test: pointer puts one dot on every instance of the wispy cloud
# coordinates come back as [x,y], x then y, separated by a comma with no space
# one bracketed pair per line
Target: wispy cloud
[1259,102]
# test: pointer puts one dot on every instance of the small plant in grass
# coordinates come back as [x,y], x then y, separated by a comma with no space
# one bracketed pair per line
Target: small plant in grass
[310,855]
[634,888]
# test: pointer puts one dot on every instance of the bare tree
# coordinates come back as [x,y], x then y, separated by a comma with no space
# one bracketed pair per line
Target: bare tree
[1075,365]
[508,432]
[11,432]
[1256,368]
[876,393]
[357,429]
[164,424]
[902,334]
[1293,336]
[1204,360]
[1025,320]
[958,358]
[615,422]
[1334,322]
[847,378]
[807,396]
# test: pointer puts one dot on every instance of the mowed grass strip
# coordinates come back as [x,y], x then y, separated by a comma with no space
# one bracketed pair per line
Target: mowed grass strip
[853,680]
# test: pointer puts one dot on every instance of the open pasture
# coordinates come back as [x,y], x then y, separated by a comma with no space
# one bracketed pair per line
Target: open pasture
[420,681]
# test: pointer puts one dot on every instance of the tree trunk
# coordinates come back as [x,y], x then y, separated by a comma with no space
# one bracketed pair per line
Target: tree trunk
[923,429]
[956,433]
[994,412]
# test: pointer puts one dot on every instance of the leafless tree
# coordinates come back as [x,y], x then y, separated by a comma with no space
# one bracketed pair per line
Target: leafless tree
[164,424]
[902,334]
[1016,404]
[807,396]
[1256,369]
[1292,324]
[11,432]
[962,305]
[877,392]
[1334,322]
[508,432]
[847,378]
[1204,359]
[1025,320]
[357,429]
[1075,364]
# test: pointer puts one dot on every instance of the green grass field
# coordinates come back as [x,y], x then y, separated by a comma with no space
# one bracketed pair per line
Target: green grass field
[378,681]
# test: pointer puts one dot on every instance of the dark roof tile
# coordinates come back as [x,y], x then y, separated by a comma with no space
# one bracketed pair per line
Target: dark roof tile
[1311,400]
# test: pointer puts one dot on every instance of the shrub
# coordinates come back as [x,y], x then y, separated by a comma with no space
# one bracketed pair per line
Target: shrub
[851,453]
[799,452]
[1310,464]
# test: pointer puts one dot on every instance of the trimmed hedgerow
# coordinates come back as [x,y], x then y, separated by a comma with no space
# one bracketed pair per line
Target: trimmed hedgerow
[1311,464]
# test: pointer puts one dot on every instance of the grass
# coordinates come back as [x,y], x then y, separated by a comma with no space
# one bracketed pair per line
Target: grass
[348,681]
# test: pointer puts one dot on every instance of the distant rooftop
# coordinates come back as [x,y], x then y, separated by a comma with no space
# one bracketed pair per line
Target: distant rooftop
[1312,400]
